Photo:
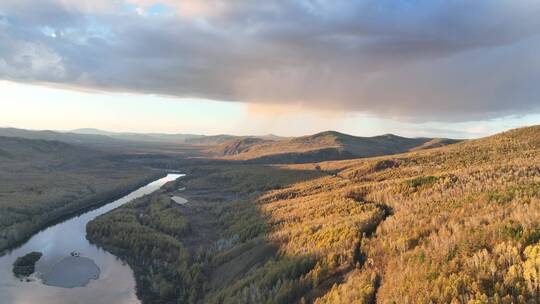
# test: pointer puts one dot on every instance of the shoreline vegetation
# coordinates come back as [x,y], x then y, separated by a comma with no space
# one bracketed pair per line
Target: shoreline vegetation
[43,182]
[13,236]
[458,224]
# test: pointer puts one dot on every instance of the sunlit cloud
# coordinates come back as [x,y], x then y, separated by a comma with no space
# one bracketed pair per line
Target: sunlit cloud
[408,61]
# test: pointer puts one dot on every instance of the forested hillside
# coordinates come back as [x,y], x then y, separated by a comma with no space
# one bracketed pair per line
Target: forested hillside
[42,181]
[458,224]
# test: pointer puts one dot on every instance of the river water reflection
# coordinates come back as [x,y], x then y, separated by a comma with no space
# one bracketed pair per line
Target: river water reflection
[116,283]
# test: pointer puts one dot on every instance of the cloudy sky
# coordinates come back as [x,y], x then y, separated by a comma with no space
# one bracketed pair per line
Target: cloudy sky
[418,68]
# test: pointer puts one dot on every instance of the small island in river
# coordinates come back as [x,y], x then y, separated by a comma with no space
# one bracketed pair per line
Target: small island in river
[25,265]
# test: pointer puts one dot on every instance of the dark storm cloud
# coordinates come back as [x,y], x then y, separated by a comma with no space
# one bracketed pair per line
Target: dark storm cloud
[442,60]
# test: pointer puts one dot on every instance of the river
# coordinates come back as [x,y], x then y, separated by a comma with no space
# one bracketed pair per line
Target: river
[116,283]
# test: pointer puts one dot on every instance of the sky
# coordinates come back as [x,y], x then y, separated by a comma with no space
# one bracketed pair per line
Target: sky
[415,68]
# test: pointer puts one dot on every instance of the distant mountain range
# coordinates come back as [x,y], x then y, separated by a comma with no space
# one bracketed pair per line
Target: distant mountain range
[329,145]
[193,139]
[144,137]
[90,136]
[68,137]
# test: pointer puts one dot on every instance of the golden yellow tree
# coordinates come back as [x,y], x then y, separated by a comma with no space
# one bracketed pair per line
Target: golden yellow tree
[531,269]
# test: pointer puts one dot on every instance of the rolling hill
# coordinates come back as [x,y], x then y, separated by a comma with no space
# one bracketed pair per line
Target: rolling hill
[328,145]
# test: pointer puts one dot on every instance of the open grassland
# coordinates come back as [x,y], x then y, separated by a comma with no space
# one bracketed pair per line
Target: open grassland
[43,181]
[458,224]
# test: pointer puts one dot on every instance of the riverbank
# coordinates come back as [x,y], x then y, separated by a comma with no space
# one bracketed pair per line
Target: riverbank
[13,236]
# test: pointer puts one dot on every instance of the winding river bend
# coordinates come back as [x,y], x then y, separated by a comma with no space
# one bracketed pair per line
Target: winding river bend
[115,283]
